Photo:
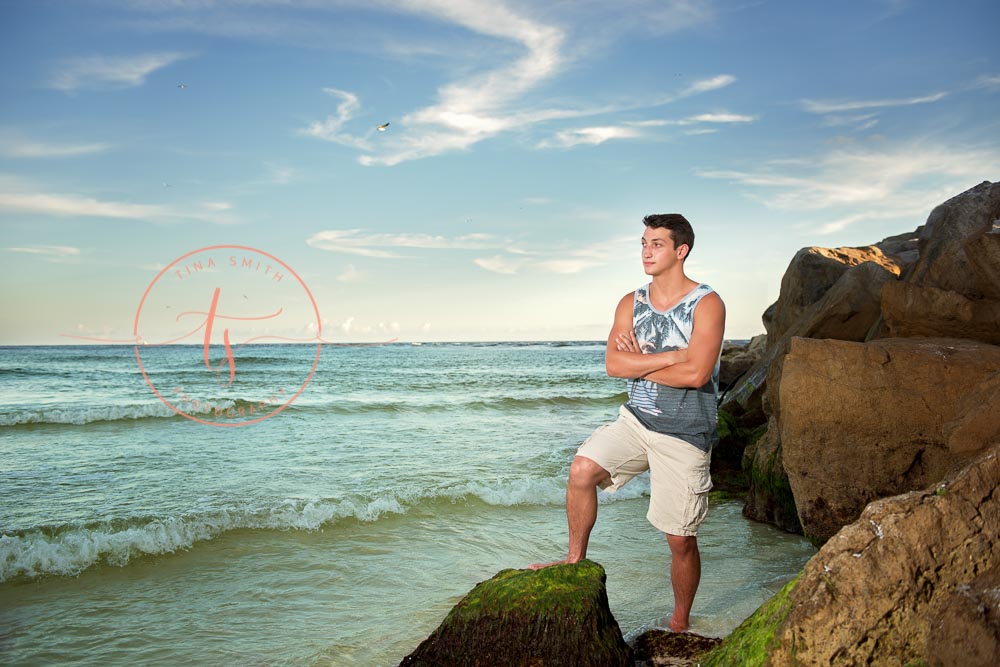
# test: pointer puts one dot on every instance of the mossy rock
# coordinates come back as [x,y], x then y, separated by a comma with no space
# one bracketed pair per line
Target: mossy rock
[749,644]
[662,647]
[555,616]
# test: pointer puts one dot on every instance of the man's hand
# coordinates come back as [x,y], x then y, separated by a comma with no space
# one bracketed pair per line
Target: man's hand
[703,348]
[624,357]
[627,342]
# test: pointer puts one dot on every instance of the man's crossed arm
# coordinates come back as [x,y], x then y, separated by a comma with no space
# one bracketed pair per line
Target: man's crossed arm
[691,367]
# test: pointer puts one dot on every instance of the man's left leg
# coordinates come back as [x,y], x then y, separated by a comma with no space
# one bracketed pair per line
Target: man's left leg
[685,573]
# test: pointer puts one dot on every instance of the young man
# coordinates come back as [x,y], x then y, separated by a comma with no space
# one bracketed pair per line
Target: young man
[665,341]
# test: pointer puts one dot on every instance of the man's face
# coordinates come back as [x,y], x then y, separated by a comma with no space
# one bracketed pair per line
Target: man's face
[658,251]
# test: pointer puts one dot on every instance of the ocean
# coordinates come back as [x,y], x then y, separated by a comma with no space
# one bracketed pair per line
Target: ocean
[340,526]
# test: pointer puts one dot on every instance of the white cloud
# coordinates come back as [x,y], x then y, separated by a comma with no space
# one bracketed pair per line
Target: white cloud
[51,252]
[349,275]
[634,129]
[499,264]
[57,204]
[110,72]
[367,244]
[821,107]
[590,136]
[332,129]
[853,184]
[706,85]
[989,82]
[15,197]
[477,108]
[556,260]
[15,146]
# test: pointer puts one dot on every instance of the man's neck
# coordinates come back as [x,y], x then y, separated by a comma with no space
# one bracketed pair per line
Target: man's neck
[669,288]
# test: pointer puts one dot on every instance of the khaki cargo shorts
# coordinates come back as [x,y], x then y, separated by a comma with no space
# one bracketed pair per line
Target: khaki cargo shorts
[679,478]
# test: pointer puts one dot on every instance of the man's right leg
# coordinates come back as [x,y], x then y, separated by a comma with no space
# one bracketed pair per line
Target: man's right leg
[581,507]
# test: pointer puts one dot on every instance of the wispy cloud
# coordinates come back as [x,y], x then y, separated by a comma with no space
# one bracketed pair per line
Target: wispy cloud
[66,205]
[823,107]
[110,72]
[988,82]
[15,146]
[349,274]
[386,245]
[18,198]
[474,109]
[555,260]
[509,257]
[638,129]
[850,185]
[590,136]
[332,128]
[52,253]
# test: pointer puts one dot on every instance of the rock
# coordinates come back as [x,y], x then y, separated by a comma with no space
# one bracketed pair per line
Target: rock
[877,592]
[951,228]
[662,648]
[965,625]
[558,615]
[846,312]
[770,498]
[738,359]
[811,273]
[903,249]
[748,645]
[977,419]
[728,476]
[909,310]
[860,421]
[983,253]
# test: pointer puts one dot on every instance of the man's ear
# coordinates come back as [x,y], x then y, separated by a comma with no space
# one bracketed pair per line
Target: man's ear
[683,251]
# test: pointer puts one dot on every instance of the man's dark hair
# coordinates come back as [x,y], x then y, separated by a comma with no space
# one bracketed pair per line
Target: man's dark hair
[678,226]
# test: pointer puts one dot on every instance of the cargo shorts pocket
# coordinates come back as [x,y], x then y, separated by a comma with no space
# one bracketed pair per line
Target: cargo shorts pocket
[696,508]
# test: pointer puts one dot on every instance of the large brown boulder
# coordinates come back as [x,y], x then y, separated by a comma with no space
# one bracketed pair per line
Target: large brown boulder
[878,592]
[556,616]
[846,312]
[861,421]
[951,228]
[912,582]
[983,253]
[909,310]
[810,274]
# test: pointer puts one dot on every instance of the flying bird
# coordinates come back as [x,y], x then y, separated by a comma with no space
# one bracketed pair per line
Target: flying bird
[182,85]
[382,128]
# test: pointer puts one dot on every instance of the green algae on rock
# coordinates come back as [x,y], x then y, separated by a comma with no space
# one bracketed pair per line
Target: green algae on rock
[558,615]
[750,643]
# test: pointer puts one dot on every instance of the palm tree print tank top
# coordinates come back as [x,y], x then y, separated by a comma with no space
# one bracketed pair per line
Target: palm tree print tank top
[688,414]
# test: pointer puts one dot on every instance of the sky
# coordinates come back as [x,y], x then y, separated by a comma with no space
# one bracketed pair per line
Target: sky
[503,200]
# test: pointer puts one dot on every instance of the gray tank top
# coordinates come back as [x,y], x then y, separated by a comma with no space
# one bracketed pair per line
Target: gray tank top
[688,414]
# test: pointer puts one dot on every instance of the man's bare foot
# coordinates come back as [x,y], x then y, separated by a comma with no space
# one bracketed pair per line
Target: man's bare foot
[539,566]
[678,626]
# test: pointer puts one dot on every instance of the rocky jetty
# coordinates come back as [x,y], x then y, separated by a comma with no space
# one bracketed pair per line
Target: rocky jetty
[941,281]
[879,393]
[556,616]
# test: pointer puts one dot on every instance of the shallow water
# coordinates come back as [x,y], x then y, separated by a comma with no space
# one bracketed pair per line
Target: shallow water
[339,532]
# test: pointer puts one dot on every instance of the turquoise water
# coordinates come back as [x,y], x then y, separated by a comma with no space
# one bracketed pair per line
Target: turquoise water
[338,531]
